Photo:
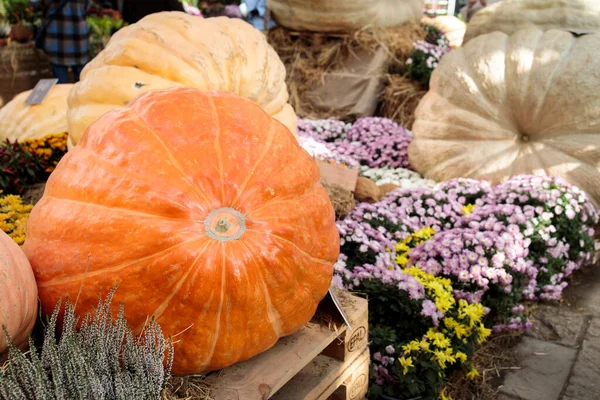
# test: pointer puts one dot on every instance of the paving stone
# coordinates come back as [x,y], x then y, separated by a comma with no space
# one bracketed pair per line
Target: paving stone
[583,292]
[506,397]
[544,370]
[558,324]
[584,383]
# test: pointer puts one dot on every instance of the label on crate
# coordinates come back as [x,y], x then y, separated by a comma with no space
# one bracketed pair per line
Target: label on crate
[335,174]
[40,91]
[357,339]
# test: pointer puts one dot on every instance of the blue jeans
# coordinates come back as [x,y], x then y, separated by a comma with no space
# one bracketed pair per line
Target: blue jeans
[62,72]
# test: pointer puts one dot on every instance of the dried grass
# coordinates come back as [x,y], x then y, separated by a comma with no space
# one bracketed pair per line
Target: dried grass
[492,360]
[308,56]
[341,199]
[187,388]
[400,99]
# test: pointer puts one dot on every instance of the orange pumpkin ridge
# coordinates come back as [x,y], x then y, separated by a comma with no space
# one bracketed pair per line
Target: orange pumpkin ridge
[205,211]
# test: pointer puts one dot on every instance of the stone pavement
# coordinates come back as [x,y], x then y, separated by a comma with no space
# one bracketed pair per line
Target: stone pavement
[560,356]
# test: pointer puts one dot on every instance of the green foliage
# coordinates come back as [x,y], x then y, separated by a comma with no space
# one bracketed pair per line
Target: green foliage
[103,360]
[19,168]
[15,11]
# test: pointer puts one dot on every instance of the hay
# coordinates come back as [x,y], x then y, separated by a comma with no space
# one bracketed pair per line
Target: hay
[495,357]
[400,100]
[341,199]
[308,56]
[187,388]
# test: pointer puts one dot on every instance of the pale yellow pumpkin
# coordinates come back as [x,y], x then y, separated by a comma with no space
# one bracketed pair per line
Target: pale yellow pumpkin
[501,106]
[509,16]
[176,49]
[452,27]
[19,121]
[343,16]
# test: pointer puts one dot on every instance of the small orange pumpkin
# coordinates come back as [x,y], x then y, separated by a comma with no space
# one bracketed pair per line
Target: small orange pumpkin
[204,210]
[18,293]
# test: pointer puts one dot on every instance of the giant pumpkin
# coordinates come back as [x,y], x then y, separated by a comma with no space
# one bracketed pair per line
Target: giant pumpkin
[204,210]
[176,49]
[344,16]
[18,294]
[501,106]
[510,16]
[19,121]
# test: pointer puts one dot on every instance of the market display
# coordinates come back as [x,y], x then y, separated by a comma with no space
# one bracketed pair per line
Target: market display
[510,16]
[202,229]
[212,221]
[502,106]
[215,53]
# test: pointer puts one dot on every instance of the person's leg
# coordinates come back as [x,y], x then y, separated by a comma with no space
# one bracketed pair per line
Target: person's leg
[61,72]
[77,71]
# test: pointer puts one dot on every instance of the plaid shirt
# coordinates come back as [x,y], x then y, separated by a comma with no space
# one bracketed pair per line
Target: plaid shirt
[67,37]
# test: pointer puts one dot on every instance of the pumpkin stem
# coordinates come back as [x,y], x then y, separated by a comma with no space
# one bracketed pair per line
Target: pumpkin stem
[225,224]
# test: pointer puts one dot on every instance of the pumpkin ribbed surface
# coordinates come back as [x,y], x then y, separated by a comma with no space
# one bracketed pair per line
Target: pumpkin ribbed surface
[510,16]
[502,106]
[176,49]
[19,121]
[18,293]
[204,210]
[344,16]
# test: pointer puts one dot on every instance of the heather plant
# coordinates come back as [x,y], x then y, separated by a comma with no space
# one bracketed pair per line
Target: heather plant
[101,360]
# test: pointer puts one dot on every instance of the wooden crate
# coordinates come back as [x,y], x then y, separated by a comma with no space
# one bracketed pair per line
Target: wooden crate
[322,361]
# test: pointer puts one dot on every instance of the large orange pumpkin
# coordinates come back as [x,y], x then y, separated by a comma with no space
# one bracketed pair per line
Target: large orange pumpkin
[18,293]
[204,210]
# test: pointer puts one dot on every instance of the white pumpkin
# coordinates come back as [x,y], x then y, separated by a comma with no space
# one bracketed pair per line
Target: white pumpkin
[501,106]
[452,27]
[19,121]
[343,15]
[169,49]
[509,16]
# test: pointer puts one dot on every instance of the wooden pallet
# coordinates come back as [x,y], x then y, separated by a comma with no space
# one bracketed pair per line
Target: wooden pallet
[319,362]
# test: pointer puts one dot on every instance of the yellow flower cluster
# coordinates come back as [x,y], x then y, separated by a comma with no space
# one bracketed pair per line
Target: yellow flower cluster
[412,241]
[468,209]
[49,148]
[13,217]
[440,342]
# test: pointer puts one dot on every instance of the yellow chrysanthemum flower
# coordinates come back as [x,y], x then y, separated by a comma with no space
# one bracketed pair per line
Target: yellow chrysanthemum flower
[406,364]
[412,346]
[468,209]
[472,374]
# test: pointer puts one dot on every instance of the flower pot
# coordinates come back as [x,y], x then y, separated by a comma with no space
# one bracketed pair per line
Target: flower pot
[20,32]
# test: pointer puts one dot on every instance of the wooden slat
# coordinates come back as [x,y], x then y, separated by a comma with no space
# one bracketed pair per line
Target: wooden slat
[323,376]
[263,375]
